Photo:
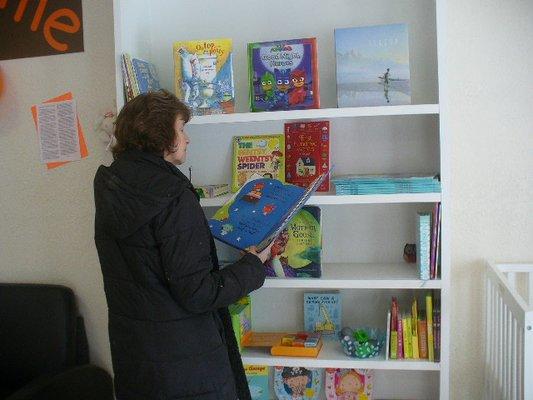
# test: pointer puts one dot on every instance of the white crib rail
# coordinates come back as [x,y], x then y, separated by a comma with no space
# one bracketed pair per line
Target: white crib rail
[509,332]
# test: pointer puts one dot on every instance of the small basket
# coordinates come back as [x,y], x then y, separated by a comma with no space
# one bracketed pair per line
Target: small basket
[361,342]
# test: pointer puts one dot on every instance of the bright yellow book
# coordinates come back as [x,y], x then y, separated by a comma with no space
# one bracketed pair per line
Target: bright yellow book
[258,154]
[429,319]
[204,75]
[394,345]
[407,338]
[414,329]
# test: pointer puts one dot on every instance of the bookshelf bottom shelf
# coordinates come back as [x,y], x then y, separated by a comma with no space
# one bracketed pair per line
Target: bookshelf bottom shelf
[332,356]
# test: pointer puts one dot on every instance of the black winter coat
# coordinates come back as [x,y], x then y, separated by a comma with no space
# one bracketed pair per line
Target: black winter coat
[169,327]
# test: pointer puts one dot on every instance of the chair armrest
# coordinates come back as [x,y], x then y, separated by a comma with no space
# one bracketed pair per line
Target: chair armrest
[86,382]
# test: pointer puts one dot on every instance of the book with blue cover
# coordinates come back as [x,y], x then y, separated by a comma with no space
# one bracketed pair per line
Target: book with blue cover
[386,184]
[283,75]
[258,381]
[146,75]
[372,66]
[423,244]
[259,211]
[322,314]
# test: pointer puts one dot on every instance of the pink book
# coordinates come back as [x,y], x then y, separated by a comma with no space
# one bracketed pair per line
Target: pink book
[400,337]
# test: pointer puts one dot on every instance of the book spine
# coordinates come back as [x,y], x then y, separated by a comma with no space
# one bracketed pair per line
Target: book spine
[429,317]
[400,338]
[423,244]
[432,257]
[436,329]
[422,338]
[387,341]
[437,242]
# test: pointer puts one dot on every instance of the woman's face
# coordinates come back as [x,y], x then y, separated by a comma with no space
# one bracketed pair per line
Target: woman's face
[178,153]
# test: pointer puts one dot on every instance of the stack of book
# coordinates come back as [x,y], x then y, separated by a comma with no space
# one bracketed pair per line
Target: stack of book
[386,184]
[138,76]
[414,334]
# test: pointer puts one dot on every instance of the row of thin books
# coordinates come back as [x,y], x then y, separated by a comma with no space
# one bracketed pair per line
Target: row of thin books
[414,334]
[139,76]
[386,184]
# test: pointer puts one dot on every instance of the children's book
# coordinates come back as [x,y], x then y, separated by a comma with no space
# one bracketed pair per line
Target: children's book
[307,152]
[283,75]
[429,321]
[423,245]
[349,384]
[146,75]
[297,249]
[258,381]
[204,75]
[241,319]
[372,66]
[322,314]
[259,154]
[259,211]
[297,383]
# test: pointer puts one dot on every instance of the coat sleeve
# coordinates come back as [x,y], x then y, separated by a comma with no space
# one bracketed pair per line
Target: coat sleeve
[184,242]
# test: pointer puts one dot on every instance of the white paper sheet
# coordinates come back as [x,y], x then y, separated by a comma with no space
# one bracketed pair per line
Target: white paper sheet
[58,131]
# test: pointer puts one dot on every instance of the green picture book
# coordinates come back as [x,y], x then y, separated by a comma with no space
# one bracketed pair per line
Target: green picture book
[259,154]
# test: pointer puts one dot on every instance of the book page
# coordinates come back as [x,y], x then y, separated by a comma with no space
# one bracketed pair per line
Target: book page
[58,131]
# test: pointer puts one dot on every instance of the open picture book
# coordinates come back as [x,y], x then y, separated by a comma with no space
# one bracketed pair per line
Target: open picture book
[259,211]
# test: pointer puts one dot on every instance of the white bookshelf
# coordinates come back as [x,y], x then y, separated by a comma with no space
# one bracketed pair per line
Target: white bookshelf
[331,356]
[322,199]
[321,113]
[363,236]
[359,276]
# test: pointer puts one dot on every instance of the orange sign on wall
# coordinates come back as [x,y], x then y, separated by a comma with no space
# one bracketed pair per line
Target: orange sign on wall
[30,28]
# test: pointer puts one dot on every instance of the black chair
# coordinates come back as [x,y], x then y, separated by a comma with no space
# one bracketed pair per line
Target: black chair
[43,347]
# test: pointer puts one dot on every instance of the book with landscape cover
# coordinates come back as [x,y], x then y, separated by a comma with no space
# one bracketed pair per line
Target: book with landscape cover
[259,211]
[283,75]
[257,154]
[373,66]
[204,75]
[307,152]
[296,252]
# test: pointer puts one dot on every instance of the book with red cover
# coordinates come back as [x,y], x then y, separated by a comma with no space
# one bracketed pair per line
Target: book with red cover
[307,153]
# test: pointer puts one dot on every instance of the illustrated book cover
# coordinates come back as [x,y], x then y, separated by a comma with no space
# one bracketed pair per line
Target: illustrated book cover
[260,154]
[322,314]
[258,381]
[283,75]
[297,383]
[241,319]
[204,75]
[296,252]
[259,211]
[307,152]
[372,66]
[349,384]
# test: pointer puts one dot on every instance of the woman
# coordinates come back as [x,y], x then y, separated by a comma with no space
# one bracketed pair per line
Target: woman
[169,328]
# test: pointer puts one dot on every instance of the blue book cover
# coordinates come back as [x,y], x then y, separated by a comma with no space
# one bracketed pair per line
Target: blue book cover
[283,75]
[146,75]
[372,66]
[298,383]
[258,381]
[322,313]
[259,211]
[423,244]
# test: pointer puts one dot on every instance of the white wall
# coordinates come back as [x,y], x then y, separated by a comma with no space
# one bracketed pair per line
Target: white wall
[491,119]
[46,217]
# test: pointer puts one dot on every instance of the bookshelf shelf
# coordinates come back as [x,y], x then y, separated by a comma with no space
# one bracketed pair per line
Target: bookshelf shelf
[332,356]
[417,109]
[364,140]
[359,276]
[332,199]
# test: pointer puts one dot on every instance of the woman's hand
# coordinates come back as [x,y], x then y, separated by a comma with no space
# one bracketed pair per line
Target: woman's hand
[264,255]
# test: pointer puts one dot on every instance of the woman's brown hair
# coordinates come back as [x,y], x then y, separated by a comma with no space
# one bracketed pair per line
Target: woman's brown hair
[147,122]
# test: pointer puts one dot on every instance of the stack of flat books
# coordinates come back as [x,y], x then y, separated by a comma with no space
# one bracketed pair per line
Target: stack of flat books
[386,184]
